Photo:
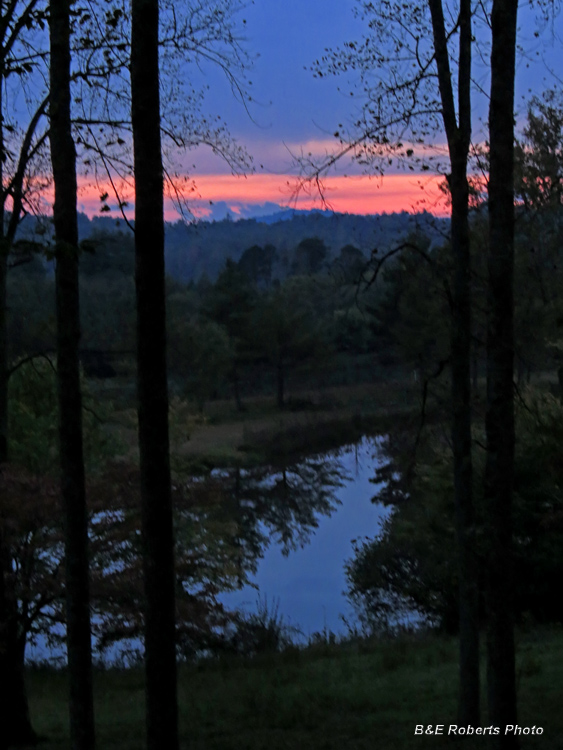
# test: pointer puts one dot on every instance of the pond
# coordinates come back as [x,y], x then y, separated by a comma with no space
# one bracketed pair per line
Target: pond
[298,522]
[308,584]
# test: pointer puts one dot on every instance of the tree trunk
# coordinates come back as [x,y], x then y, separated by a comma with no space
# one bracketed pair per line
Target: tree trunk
[12,26]
[458,132]
[3,338]
[16,723]
[63,157]
[469,684]
[4,247]
[14,726]
[499,468]
[157,525]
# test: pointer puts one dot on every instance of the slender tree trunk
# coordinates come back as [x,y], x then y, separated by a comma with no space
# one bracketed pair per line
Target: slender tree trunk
[6,601]
[158,537]
[4,250]
[17,730]
[469,685]
[7,233]
[499,469]
[63,157]
[16,723]
[3,340]
[4,247]
[458,132]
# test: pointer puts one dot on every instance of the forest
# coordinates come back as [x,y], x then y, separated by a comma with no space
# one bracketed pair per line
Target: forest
[171,394]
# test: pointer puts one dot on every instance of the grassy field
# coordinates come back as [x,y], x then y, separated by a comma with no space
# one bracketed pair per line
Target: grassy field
[356,696]
[313,421]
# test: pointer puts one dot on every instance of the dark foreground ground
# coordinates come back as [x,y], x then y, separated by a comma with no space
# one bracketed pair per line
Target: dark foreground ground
[359,695]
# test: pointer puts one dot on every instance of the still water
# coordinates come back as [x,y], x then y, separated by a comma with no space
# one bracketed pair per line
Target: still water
[308,585]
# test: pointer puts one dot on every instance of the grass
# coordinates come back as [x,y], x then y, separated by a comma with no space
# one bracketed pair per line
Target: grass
[312,422]
[353,695]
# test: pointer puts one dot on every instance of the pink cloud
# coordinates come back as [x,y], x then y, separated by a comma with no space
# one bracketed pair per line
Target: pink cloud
[359,195]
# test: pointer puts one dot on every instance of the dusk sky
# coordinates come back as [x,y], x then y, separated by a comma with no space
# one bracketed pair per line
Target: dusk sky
[294,112]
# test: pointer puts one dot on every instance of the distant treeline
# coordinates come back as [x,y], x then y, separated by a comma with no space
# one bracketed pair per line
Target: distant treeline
[271,319]
[201,249]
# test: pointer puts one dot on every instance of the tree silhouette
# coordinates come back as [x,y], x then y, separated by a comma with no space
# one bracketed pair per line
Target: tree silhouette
[499,469]
[154,454]
[16,20]
[406,52]
[63,158]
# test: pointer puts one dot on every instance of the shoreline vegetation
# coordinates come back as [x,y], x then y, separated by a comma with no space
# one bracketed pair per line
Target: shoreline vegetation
[314,421]
[354,694]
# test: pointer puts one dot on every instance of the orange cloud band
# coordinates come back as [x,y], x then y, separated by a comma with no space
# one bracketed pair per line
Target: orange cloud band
[357,195]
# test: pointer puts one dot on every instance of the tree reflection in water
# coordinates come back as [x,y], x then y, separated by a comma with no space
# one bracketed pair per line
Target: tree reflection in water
[308,585]
[225,522]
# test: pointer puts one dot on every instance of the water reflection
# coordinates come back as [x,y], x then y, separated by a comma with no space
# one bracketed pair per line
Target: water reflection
[283,504]
[285,530]
[309,583]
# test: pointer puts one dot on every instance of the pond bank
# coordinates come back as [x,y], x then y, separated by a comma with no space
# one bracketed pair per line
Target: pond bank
[313,422]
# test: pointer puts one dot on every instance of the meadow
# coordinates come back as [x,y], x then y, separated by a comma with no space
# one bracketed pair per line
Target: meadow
[357,694]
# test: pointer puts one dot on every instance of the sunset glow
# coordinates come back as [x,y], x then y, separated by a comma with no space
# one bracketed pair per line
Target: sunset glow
[354,195]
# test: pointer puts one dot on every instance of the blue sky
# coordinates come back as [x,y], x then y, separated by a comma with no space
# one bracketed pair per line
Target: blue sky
[293,107]
[290,107]
[292,110]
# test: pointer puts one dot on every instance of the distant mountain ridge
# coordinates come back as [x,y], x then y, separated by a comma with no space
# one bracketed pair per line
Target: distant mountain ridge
[287,214]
